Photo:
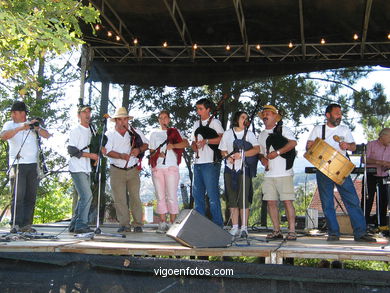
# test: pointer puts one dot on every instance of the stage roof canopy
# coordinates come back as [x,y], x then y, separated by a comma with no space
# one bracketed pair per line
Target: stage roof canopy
[196,42]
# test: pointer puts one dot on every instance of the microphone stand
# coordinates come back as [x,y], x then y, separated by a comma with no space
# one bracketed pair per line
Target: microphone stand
[98,174]
[14,234]
[365,186]
[243,167]
[16,181]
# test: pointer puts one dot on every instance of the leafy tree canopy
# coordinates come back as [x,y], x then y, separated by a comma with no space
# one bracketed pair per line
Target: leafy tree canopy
[29,29]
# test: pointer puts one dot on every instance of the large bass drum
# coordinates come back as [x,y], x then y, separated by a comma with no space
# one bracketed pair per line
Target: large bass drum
[329,161]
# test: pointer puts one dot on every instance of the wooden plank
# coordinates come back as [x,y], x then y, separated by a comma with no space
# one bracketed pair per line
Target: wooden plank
[150,243]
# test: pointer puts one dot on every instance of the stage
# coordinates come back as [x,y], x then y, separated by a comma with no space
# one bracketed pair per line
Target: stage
[150,243]
[151,262]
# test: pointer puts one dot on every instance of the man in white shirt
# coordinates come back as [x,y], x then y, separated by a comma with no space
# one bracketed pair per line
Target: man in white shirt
[21,135]
[124,146]
[206,169]
[278,180]
[326,186]
[80,169]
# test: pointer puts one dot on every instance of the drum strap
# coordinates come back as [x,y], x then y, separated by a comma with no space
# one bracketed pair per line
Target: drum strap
[323,132]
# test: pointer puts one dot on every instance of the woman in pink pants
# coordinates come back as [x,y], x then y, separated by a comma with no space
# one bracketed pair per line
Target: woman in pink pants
[166,146]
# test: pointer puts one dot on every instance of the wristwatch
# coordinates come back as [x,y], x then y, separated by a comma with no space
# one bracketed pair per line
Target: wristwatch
[278,152]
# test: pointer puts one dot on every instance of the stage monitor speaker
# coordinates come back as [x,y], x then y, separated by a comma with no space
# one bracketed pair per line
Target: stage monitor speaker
[194,230]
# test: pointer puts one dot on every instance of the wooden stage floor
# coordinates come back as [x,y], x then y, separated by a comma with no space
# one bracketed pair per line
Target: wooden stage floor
[149,243]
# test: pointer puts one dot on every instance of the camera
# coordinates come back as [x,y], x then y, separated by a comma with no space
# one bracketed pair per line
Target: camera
[35,124]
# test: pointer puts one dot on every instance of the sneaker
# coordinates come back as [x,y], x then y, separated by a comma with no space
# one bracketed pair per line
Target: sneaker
[83,230]
[234,231]
[162,228]
[365,238]
[124,229]
[138,229]
[333,238]
[27,229]
[244,233]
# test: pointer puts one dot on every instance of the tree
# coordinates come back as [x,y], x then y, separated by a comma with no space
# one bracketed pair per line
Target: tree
[374,108]
[46,103]
[288,92]
[31,29]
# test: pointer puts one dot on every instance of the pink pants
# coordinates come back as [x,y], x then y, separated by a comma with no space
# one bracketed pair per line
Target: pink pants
[166,182]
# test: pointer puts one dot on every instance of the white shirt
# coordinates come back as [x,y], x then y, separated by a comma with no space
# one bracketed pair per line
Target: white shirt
[29,151]
[226,145]
[206,155]
[122,144]
[342,131]
[80,137]
[157,137]
[277,166]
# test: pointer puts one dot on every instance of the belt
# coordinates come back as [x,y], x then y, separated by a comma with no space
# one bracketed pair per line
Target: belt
[125,169]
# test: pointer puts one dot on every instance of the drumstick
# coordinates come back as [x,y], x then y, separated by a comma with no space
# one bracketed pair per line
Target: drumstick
[337,138]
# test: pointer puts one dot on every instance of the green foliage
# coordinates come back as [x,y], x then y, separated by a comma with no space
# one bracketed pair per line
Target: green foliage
[29,29]
[54,202]
[303,199]
[374,107]
[367,265]
[347,264]
[46,103]
[255,210]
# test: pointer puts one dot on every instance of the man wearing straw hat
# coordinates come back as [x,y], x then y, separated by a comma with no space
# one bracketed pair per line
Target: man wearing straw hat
[278,178]
[123,152]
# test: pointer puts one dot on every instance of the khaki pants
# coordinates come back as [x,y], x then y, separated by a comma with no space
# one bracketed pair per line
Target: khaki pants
[125,191]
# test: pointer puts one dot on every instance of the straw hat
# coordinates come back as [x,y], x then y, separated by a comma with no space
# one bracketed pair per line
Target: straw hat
[121,113]
[271,108]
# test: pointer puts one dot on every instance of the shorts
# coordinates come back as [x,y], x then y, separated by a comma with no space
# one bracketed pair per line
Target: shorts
[278,188]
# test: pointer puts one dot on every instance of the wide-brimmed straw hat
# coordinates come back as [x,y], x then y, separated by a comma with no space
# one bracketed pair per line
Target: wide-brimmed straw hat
[121,113]
[272,109]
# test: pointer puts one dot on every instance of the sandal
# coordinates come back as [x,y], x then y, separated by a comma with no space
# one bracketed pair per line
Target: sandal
[275,235]
[291,236]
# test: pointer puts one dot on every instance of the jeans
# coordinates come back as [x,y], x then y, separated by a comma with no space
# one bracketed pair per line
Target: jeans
[206,178]
[27,193]
[351,202]
[82,183]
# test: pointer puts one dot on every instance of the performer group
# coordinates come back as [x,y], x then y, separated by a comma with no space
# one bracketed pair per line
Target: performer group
[237,147]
